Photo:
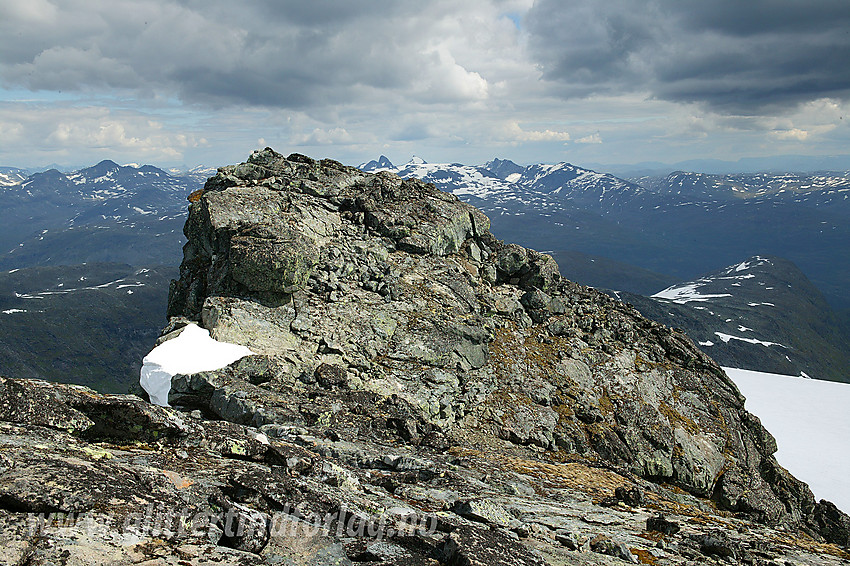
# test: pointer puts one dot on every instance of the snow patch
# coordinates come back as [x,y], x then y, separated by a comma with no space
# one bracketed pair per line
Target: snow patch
[191,352]
[727,337]
[811,424]
[686,293]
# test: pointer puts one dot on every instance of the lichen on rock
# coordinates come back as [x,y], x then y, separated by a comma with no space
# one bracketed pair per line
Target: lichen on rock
[391,280]
[411,370]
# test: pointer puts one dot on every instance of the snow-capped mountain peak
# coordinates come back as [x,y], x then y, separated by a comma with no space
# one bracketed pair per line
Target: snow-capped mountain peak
[10,176]
[380,164]
[502,186]
[504,168]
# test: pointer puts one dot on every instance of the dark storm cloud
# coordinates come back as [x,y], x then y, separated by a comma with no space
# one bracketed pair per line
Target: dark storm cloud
[746,57]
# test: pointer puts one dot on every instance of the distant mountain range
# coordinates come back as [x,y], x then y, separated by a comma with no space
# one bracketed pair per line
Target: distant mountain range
[680,224]
[638,235]
[108,212]
[92,249]
[502,186]
[774,164]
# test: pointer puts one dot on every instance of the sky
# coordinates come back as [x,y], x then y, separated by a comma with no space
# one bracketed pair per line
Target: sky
[205,82]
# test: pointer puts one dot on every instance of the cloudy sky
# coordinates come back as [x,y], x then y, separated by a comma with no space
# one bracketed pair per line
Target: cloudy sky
[187,82]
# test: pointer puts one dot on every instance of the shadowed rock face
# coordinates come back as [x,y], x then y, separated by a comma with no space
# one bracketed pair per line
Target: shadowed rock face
[424,393]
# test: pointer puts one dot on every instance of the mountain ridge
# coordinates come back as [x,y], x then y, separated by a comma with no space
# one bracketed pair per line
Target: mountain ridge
[760,314]
[106,212]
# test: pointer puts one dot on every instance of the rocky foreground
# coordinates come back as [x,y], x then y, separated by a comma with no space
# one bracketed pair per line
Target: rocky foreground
[423,394]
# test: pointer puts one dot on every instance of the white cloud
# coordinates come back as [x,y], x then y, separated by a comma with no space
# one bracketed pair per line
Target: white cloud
[592,138]
[444,80]
[31,11]
[324,137]
[513,132]
[793,134]
[52,134]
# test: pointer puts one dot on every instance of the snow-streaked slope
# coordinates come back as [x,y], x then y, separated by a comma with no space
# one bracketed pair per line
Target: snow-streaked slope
[135,280]
[191,352]
[503,187]
[810,420]
[760,314]
[726,288]
[455,178]
[687,293]
[814,189]
[10,176]
[590,188]
[470,183]
[695,290]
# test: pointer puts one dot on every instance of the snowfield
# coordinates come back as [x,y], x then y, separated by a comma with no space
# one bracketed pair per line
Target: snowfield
[810,420]
[193,351]
[682,294]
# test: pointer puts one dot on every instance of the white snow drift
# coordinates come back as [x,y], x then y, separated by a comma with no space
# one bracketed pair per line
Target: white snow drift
[811,423]
[191,352]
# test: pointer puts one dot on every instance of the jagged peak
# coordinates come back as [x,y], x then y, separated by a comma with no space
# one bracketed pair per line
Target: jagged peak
[377,164]
[415,160]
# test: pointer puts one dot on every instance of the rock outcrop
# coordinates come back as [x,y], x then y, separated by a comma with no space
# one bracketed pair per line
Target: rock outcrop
[423,394]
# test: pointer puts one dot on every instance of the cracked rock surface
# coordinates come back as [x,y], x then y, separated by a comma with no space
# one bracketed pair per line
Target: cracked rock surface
[423,393]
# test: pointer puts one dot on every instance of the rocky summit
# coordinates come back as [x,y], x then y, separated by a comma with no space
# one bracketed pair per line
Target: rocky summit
[422,394]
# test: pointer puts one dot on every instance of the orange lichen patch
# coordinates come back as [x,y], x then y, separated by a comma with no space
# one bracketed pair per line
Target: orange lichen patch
[571,475]
[676,418]
[606,405]
[462,452]
[806,543]
[565,412]
[654,536]
[564,457]
[513,351]
[195,196]
[644,556]
[642,364]
[178,481]
[139,445]
[514,406]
